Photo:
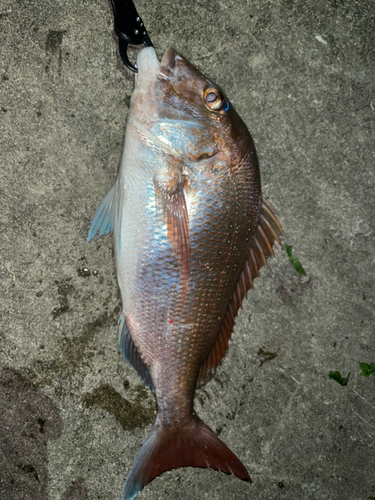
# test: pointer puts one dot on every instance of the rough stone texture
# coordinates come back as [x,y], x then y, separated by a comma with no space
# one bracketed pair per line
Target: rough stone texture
[73,414]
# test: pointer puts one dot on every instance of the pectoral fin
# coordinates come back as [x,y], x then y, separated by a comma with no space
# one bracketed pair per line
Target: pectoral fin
[170,193]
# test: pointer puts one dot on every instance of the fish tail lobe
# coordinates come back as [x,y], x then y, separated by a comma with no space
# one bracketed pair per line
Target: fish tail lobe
[168,447]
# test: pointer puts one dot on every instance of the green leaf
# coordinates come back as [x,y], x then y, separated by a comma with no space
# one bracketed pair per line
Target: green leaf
[367,370]
[295,262]
[337,376]
[371,498]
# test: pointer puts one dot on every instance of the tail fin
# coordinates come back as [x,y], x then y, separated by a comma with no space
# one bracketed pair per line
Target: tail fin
[167,448]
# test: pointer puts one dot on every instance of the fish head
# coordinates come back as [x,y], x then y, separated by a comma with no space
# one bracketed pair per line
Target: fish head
[185,112]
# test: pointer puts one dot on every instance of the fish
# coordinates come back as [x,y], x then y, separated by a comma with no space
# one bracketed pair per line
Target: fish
[191,231]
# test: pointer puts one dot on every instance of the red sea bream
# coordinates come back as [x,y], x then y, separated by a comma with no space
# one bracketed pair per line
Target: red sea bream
[191,231]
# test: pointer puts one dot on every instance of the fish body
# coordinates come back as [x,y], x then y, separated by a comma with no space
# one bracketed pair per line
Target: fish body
[191,231]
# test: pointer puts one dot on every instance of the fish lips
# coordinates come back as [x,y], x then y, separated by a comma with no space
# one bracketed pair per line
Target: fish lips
[168,62]
[149,67]
[151,100]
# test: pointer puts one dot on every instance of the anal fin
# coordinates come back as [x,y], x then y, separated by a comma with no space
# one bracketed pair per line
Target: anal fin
[267,232]
[131,355]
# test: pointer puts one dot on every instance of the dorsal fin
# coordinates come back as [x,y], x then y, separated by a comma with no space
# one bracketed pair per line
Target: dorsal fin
[267,232]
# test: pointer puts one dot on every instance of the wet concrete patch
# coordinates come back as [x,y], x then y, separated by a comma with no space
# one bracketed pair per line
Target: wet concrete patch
[77,491]
[75,356]
[28,419]
[293,287]
[64,289]
[129,415]
[265,356]
[54,50]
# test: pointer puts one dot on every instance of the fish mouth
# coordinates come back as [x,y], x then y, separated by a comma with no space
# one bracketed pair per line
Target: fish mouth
[150,71]
[168,63]
[149,67]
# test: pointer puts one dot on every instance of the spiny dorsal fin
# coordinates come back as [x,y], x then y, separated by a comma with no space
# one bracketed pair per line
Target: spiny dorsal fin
[267,232]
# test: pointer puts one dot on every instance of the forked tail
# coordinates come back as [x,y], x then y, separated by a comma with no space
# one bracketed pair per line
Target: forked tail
[167,448]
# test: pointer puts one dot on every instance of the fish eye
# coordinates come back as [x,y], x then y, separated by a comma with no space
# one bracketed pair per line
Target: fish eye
[213,99]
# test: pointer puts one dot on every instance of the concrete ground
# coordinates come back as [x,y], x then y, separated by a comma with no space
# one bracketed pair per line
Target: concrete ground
[72,413]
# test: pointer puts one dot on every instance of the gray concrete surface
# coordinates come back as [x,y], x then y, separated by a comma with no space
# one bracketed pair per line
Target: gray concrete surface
[73,414]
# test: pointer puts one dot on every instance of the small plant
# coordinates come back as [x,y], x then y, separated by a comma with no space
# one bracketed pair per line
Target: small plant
[339,378]
[366,371]
[293,260]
